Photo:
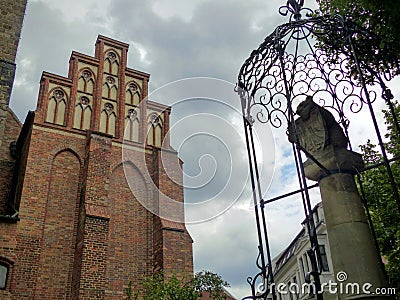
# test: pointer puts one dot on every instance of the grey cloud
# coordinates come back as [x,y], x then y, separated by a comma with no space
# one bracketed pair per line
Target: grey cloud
[226,245]
[211,44]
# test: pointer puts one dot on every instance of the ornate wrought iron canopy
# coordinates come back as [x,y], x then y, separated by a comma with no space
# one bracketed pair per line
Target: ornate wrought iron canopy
[288,65]
[313,56]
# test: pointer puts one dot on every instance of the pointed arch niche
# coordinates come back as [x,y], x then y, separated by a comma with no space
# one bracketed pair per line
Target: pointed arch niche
[133,94]
[61,213]
[110,89]
[56,106]
[132,124]
[154,130]
[86,81]
[83,113]
[108,118]
[132,112]
[111,62]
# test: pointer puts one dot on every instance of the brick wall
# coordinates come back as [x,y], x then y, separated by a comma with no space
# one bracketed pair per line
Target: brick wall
[7,162]
[59,228]
[48,214]
[83,231]
[11,18]
[79,247]
[7,73]
[12,14]
[113,243]
[131,251]
[93,281]
[174,242]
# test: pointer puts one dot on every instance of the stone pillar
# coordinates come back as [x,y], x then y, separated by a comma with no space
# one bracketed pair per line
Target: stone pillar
[351,243]
[356,263]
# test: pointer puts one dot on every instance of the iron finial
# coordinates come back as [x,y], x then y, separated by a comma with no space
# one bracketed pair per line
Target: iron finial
[293,7]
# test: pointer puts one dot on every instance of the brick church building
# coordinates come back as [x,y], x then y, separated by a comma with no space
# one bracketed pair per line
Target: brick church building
[76,177]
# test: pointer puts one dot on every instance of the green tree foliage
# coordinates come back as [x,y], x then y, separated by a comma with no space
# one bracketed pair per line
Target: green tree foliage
[158,287]
[380,53]
[379,194]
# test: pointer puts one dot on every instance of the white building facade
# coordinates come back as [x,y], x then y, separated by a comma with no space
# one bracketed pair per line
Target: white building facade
[292,266]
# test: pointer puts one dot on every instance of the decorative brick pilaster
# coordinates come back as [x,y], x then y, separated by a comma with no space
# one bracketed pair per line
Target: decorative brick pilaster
[172,242]
[98,155]
[93,280]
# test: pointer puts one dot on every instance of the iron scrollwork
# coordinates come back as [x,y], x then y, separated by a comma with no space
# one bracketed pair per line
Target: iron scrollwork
[294,9]
[324,76]
[260,284]
[279,74]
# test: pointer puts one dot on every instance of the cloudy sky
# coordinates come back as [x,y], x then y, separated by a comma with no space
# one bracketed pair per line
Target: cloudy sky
[193,51]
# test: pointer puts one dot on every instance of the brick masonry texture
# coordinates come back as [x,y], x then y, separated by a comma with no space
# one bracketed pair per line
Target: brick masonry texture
[82,231]
[11,17]
[12,14]
[7,162]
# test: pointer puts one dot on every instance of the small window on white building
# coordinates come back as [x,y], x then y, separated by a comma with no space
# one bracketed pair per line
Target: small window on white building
[324,258]
[303,270]
[290,291]
[305,257]
[316,217]
[297,287]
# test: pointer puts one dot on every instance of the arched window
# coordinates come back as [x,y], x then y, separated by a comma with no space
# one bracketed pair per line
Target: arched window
[132,126]
[154,132]
[132,94]
[56,107]
[83,113]
[86,81]
[111,63]
[110,88]
[108,119]
[132,119]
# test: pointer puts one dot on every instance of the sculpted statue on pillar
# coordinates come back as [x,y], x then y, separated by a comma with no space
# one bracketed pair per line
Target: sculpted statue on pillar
[316,128]
[318,133]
